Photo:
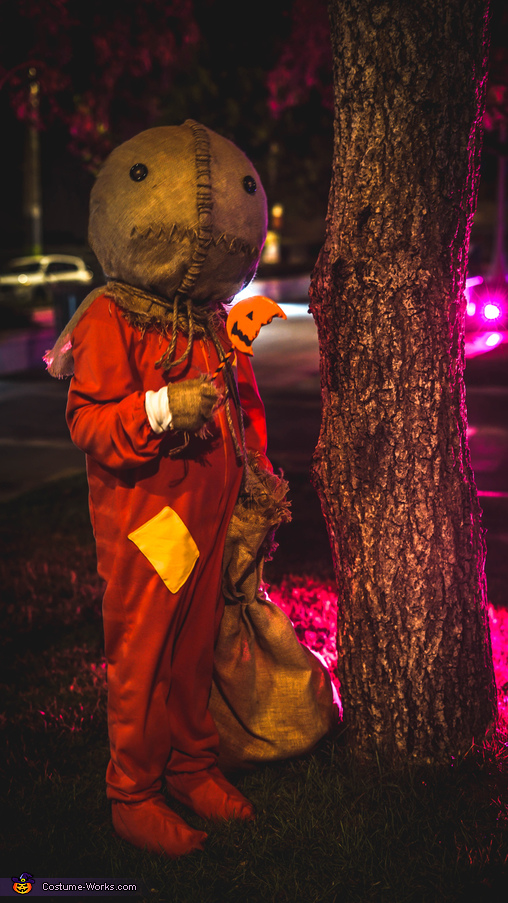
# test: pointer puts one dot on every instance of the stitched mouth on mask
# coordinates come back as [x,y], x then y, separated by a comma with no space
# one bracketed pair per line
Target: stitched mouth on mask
[174,232]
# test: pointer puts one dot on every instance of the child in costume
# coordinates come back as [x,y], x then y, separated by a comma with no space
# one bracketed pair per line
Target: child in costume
[165,416]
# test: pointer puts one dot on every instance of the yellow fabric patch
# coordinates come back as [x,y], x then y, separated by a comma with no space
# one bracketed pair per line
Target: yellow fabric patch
[169,547]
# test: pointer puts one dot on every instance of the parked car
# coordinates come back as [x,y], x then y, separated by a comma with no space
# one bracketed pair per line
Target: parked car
[32,279]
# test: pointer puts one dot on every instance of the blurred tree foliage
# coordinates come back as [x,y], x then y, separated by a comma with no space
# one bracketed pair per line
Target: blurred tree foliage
[265,81]
[100,66]
[495,118]
[108,70]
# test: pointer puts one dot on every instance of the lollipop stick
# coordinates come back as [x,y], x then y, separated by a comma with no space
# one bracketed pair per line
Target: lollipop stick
[223,363]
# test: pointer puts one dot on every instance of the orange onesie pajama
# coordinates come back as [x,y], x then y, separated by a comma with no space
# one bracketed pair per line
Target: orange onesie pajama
[160,523]
[178,220]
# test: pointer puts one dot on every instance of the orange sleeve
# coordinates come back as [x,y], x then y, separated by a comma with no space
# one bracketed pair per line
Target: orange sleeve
[106,403]
[253,409]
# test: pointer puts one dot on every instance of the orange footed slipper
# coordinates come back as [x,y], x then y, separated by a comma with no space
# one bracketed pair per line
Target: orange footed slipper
[210,795]
[153,826]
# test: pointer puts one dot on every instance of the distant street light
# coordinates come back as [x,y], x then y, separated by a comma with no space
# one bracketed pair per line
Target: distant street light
[32,193]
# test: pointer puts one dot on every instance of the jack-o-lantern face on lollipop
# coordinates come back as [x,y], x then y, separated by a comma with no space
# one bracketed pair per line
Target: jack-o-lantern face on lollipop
[247,317]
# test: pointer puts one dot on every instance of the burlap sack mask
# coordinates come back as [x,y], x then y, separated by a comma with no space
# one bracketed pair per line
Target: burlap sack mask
[179,210]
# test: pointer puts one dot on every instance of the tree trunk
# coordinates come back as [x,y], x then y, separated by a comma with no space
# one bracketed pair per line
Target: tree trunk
[392,465]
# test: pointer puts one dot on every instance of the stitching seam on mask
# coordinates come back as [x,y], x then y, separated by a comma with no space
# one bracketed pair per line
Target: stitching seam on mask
[204,204]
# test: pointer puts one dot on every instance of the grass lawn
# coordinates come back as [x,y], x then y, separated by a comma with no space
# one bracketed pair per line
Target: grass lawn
[328,829]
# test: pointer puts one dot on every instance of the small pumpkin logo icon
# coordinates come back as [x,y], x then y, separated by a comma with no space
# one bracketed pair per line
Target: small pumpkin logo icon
[23,884]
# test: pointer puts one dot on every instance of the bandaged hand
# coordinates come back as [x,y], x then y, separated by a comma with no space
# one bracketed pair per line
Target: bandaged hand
[192,403]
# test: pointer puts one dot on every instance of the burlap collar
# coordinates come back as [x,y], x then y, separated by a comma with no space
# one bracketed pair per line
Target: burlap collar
[144,310]
[150,311]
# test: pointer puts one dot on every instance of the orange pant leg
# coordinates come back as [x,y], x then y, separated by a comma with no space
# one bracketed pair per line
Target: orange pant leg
[159,648]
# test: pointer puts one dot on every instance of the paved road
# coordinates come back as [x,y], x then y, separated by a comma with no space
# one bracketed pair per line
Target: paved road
[35,447]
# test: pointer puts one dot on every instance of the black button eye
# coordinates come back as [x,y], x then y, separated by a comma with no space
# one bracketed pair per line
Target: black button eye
[138,172]
[250,185]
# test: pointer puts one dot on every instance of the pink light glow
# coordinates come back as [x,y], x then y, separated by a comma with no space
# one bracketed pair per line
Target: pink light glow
[498,618]
[471,283]
[486,494]
[45,317]
[312,608]
[482,342]
[491,311]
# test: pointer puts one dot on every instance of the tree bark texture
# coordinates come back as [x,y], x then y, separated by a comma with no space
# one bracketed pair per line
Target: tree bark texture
[392,465]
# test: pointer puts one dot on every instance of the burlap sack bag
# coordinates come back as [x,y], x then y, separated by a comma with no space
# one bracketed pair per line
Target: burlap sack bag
[272,698]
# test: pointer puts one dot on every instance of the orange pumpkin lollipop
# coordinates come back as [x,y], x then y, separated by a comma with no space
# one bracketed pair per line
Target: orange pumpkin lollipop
[247,317]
